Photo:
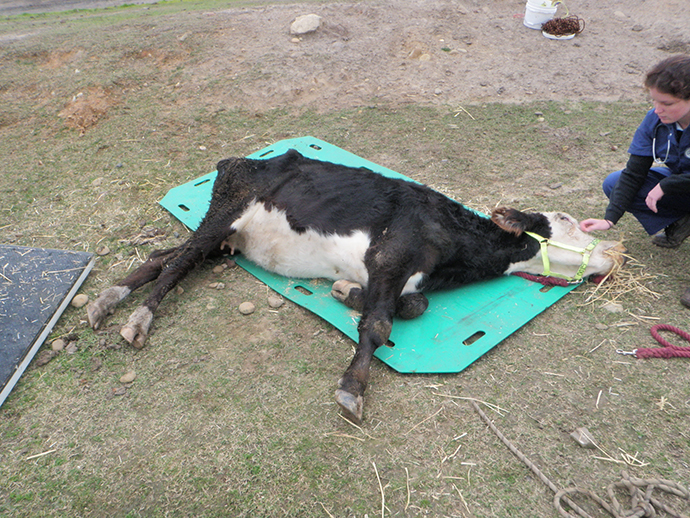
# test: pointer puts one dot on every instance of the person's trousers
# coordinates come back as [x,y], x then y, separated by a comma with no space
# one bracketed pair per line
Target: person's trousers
[670,207]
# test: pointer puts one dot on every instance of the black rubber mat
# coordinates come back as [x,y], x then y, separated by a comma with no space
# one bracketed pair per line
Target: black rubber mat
[36,285]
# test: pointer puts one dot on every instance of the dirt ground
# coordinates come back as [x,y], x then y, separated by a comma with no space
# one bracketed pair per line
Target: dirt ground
[225,405]
[432,52]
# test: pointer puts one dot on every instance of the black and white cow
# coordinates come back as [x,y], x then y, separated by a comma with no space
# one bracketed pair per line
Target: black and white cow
[383,240]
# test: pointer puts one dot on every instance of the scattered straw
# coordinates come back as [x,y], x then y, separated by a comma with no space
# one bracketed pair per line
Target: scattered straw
[383,497]
[461,109]
[619,282]
[407,483]
[495,408]
[344,435]
[424,420]
[41,454]
[354,425]
[327,512]
[462,498]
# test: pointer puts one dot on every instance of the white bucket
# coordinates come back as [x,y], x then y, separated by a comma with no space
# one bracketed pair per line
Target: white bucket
[538,12]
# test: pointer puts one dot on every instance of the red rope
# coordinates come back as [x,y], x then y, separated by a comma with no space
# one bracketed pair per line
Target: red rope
[668,350]
[554,281]
[546,281]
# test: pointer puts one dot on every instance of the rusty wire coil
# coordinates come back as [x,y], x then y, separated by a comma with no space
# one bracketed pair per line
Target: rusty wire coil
[564,26]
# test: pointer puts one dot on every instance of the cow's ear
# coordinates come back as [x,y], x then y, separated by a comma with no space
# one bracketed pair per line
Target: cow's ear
[510,220]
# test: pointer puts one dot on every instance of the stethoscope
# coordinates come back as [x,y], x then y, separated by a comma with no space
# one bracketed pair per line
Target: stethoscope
[658,159]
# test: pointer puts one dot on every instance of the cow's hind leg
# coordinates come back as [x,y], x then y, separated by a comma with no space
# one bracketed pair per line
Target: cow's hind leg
[190,255]
[104,305]
[352,294]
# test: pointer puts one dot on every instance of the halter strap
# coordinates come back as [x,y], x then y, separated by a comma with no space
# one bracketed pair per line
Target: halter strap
[586,253]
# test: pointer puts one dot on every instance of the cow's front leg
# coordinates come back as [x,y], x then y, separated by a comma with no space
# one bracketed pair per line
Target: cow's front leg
[374,330]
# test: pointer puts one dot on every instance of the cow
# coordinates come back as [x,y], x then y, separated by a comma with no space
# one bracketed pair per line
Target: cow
[384,241]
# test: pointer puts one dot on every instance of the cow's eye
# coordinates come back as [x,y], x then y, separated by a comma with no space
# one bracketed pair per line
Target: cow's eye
[563,217]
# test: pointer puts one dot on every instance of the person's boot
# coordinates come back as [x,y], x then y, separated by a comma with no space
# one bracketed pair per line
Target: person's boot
[674,234]
[685,298]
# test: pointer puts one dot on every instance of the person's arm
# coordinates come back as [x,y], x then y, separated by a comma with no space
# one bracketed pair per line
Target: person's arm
[629,183]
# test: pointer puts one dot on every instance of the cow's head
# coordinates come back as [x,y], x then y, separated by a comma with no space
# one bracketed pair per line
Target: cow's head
[565,250]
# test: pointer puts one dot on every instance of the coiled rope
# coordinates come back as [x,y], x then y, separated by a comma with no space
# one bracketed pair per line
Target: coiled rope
[668,350]
[642,502]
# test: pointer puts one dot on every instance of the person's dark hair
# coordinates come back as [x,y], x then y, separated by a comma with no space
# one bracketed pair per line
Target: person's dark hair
[671,76]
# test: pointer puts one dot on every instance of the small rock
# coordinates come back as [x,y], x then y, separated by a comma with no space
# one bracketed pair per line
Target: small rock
[58,345]
[415,53]
[247,308]
[231,263]
[425,57]
[102,250]
[220,268]
[555,185]
[128,377]
[97,181]
[601,327]
[80,300]
[305,24]
[179,290]
[44,357]
[217,285]
[71,348]
[613,307]
[295,40]
[637,28]
[119,391]
[583,438]
[275,302]
[620,15]
[614,148]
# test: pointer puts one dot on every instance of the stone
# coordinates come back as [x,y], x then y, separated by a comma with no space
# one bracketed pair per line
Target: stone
[58,345]
[128,377]
[80,300]
[275,302]
[583,438]
[247,308]
[305,24]
[102,250]
[613,307]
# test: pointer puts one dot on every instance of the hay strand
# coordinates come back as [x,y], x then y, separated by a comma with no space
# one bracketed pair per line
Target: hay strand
[621,281]
[383,496]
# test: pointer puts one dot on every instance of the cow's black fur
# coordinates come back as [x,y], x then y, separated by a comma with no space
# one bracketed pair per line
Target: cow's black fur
[412,229]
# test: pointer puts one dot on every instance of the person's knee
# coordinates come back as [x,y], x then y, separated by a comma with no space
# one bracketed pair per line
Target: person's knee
[610,182]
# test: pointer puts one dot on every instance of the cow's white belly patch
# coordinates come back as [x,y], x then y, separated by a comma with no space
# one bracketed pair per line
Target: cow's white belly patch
[265,238]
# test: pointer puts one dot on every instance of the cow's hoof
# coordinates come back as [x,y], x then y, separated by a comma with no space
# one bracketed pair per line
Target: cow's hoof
[349,293]
[95,313]
[100,308]
[136,330]
[411,305]
[351,406]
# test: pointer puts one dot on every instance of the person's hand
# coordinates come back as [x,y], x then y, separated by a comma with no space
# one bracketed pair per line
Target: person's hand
[653,197]
[591,224]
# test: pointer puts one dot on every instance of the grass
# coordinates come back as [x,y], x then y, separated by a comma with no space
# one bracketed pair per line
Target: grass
[233,415]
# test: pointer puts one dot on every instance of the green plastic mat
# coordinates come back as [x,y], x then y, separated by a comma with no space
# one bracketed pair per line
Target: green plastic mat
[460,325]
